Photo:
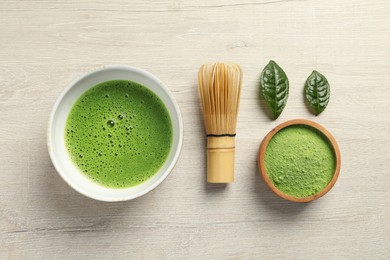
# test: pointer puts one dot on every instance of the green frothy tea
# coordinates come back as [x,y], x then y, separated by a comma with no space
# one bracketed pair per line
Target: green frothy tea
[299,161]
[119,133]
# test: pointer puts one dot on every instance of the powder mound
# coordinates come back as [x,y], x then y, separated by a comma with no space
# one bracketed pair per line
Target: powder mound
[300,161]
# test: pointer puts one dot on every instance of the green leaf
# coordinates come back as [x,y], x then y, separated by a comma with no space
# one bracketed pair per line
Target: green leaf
[274,87]
[317,92]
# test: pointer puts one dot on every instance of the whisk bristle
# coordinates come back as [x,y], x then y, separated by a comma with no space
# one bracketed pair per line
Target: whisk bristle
[220,87]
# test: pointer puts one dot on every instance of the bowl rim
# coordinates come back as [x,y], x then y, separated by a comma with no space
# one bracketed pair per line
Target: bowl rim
[58,102]
[262,150]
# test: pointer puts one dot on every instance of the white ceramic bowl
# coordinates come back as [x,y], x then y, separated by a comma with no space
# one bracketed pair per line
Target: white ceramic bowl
[56,133]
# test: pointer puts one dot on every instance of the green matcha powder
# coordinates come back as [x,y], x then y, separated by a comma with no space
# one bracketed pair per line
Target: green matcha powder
[299,161]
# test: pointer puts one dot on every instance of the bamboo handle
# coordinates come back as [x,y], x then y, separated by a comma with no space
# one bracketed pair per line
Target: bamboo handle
[220,159]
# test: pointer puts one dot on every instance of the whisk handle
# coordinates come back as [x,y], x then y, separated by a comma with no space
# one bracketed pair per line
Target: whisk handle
[220,159]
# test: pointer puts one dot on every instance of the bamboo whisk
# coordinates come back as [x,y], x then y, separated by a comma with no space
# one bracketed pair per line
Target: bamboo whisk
[220,86]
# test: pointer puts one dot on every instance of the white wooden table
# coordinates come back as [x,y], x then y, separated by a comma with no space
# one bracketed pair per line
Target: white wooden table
[45,44]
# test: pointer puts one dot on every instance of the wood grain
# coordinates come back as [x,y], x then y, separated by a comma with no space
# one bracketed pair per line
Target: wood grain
[46,44]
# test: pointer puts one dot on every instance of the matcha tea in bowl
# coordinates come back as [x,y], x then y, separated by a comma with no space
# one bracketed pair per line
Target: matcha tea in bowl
[115,134]
[299,160]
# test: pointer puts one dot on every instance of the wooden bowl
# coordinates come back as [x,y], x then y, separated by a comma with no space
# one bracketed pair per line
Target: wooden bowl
[263,171]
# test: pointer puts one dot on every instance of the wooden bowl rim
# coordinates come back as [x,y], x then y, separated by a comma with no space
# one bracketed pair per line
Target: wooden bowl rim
[268,137]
